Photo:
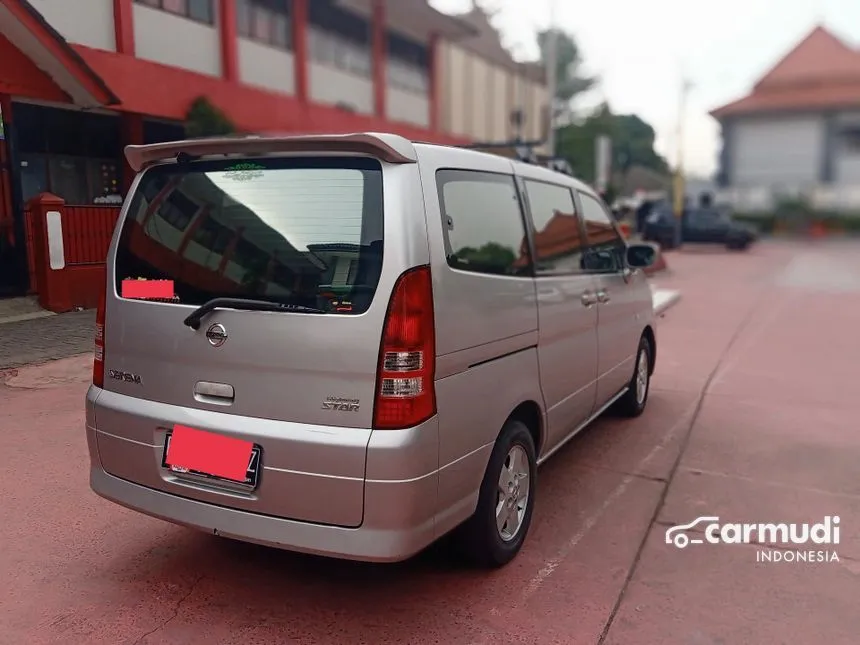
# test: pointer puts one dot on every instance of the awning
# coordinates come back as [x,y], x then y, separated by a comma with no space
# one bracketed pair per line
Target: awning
[30,33]
[415,18]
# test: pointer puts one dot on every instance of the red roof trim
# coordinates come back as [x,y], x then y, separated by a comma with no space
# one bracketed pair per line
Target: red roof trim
[51,40]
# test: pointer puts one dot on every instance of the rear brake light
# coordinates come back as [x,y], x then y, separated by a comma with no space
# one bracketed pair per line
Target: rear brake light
[405,393]
[99,353]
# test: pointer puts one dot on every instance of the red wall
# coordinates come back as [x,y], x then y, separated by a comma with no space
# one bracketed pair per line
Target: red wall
[159,90]
[145,88]
[19,76]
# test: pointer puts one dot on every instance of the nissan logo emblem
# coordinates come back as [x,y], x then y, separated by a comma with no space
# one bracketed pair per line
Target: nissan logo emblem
[216,335]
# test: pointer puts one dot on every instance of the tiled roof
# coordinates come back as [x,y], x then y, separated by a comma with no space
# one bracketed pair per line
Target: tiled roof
[794,99]
[821,72]
[819,57]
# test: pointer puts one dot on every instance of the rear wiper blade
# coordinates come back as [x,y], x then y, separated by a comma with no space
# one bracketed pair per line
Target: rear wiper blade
[243,304]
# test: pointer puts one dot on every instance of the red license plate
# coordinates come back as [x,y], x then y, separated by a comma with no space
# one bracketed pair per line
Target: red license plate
[208,453]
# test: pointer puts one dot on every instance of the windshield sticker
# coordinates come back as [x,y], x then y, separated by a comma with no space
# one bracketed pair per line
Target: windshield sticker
[143,289]
[343,306]
[244,171]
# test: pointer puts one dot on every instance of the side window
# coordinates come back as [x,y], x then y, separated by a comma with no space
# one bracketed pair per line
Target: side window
[483,222]
[606,248]
[558,231]
[705,218]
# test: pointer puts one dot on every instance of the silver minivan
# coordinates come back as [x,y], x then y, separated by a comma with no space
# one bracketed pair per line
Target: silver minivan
[352,345]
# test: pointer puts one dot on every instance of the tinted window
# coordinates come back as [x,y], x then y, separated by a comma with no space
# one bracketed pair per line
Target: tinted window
[297,231]
[606,248]
[558,233]
[483,221]
[706,218]
[200,10]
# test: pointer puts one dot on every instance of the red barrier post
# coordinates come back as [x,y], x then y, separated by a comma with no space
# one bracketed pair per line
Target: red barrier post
[47,213]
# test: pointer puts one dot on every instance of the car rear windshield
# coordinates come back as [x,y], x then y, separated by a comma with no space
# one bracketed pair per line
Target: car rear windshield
[302,232]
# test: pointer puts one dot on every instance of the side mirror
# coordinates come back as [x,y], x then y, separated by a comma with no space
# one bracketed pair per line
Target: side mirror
[641,256]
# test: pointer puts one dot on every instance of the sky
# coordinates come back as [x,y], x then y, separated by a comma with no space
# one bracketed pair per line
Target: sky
[641,51]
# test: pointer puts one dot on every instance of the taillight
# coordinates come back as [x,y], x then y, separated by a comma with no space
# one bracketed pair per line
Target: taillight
[99,354]
[405,394]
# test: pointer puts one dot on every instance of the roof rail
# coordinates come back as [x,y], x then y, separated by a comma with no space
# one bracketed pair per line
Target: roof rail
[523,151]
[387,147]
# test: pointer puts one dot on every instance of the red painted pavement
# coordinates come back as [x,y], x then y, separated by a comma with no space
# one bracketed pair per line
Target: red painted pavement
[771,331]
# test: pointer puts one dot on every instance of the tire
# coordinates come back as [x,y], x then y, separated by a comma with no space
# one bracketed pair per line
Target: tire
[479,540]
[631,404]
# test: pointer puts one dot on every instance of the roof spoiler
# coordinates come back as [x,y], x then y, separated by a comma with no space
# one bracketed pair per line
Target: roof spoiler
[389,148]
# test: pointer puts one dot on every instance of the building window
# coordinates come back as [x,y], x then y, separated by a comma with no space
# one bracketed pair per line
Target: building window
[331,49]
[339,38]
[213,236]
[73,154]
[265,21]
[483,222]
[197,10]
[851,140]
[80,181]
[408,64]
[178,210]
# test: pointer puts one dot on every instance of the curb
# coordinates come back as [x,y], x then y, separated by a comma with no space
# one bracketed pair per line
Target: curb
[22,317]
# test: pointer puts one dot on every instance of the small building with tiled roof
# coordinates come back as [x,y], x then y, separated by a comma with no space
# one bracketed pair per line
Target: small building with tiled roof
[798,131]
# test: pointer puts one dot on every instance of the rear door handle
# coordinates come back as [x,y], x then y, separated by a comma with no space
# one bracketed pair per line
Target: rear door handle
[214,393]
[588,298]
[603,296]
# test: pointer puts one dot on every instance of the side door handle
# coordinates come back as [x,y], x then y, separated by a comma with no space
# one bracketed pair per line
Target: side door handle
[588,298]
[603,296]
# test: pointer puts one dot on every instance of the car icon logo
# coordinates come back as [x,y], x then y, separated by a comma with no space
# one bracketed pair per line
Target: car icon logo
[216,335]
[676,534]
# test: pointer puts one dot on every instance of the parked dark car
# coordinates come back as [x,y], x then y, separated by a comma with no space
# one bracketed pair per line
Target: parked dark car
[698,226]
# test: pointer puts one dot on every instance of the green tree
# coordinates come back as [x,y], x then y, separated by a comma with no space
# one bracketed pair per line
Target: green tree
[632,143]
[636,144]
[204,119]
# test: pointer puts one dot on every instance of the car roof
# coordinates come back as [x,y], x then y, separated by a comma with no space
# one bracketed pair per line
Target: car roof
[389,147]
[524,169]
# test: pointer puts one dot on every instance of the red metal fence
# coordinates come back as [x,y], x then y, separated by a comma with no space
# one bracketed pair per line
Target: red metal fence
[87,232]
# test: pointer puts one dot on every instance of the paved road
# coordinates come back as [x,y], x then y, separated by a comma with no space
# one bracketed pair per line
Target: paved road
[46,339]
[752,418]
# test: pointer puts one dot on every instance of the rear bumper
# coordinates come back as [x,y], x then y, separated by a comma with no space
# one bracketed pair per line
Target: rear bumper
[368,542]
[398,491]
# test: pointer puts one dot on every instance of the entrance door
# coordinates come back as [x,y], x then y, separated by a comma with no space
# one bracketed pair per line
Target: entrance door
[13,276]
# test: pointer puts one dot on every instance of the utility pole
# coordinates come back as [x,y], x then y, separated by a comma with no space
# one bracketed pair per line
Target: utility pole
[552,73]
[679,170]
